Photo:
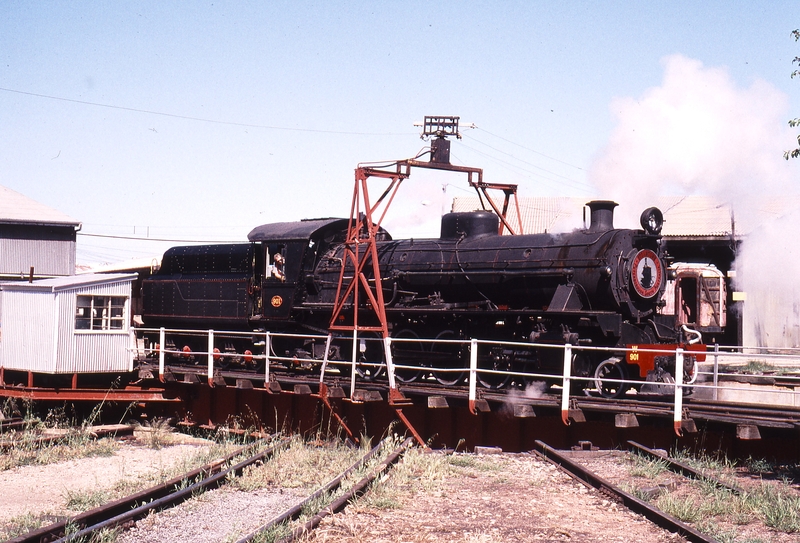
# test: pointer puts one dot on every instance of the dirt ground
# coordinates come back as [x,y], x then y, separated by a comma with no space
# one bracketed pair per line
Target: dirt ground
[43,489]
[427,497]
[498,499]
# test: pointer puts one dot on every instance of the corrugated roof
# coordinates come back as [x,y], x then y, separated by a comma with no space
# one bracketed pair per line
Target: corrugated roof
[539,214]
[684,216]
[68,282]
[694,216]
[18,208]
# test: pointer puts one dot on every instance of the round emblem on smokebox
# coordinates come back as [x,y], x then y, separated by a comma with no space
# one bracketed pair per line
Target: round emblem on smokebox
[646,273]
[276,301]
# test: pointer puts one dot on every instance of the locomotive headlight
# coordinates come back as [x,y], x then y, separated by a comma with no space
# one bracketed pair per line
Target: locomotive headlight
[652,220]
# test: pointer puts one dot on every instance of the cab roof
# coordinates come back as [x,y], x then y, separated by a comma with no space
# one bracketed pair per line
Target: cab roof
[302,230]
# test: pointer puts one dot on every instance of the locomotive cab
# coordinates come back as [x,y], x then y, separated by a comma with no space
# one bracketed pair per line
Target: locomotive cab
[282,265]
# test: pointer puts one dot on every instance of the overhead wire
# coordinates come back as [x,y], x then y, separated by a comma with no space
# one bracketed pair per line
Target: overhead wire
[139,238]
[201,119]
[525,161]
[561,179]
[529,149]
[565,181]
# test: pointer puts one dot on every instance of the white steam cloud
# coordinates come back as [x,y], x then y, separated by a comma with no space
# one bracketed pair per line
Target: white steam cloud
[700,133]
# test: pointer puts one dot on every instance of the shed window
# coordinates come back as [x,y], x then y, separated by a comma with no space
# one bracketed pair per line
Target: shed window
[100,313]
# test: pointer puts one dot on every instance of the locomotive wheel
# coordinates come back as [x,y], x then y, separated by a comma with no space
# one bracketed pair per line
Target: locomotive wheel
[581,367]
[371,359]
[497,361]
[407,354]
[339,357]
[449,356]
[611,368]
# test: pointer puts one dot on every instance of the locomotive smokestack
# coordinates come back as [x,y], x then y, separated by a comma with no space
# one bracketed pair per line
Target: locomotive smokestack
[602,215]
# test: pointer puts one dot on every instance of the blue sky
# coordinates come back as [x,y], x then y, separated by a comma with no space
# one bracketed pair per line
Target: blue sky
[199,121]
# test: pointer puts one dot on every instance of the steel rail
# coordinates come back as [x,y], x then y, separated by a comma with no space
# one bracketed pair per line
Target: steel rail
[356,490]
[139,503]
[175,497]
[294,512]
[681,467]
[633,503]
[14,423]
[45,440]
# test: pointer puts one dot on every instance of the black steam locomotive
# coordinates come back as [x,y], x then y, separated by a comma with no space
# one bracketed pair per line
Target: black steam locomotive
[598,286]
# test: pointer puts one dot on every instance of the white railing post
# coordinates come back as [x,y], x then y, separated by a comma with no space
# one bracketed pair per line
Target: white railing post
[325,358]
[678,415]
[716,370]
[211,358]
[162,335]
[473,373]
[267,350]
[566,384]
[353,368]
[387,346]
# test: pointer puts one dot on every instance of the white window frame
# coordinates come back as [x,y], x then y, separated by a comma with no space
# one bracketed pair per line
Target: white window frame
[101,313]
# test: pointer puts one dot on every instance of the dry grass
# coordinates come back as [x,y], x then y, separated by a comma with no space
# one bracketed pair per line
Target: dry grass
[300,465]
[718,511]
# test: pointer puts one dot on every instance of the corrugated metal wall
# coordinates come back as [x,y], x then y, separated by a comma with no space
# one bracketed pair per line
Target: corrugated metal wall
[48,257]
[42,338]
[27,338]
[91,352]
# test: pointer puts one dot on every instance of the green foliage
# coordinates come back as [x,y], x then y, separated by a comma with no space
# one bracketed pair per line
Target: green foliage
[778,506]
[22,524]
[84,500]
[646,467]
[794,153]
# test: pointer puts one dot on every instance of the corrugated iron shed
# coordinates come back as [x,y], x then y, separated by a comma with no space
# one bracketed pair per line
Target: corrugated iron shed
[77,324]
[34,236]
[18,208]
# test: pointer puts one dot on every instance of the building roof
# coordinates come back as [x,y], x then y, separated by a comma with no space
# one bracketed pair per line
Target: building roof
[539,214]
[145,264]
[684,216]
[68,282]
[16,208]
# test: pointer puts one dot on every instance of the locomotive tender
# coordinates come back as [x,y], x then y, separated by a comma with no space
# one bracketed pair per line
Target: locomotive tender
[597,286]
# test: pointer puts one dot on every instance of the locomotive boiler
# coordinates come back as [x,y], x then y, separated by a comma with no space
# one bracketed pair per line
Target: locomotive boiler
[597,286]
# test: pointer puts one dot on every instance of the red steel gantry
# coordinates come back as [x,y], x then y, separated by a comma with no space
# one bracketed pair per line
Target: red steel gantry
[360,305]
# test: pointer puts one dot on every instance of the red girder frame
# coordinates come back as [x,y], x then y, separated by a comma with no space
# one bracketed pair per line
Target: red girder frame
[361,253]
[361,250]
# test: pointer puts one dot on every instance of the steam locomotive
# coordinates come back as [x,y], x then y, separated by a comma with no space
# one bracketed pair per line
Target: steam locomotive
[597,286]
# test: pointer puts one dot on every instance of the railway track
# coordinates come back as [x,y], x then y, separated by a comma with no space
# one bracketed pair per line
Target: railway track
[336,505]
[12,424]
[137,505]
[122,513]
[635,504]
[33,440]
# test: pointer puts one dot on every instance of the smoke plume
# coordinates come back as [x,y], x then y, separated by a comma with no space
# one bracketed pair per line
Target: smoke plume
[699,133]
